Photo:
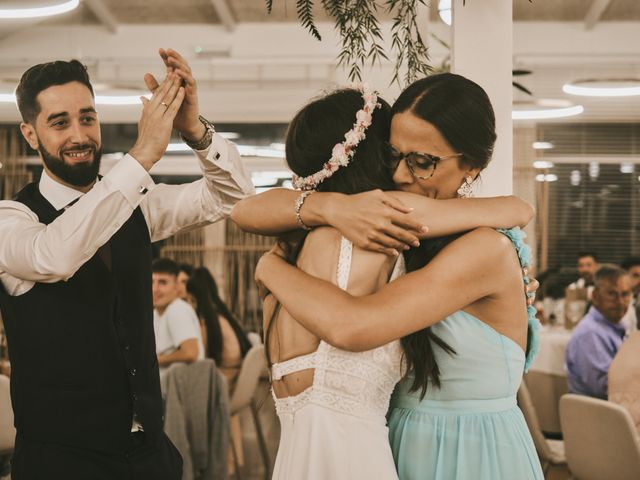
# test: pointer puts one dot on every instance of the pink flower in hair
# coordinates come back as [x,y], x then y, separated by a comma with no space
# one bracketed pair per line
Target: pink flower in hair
[342,153]
[353,137]
[338,151]
[364,117]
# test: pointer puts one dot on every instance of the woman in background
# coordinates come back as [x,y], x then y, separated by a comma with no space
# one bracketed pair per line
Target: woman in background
[224,339]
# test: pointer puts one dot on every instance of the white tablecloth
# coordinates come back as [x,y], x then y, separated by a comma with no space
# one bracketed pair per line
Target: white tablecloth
[553,343]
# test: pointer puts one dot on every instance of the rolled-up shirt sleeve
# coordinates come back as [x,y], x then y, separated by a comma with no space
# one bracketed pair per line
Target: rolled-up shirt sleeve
[31,251]
[173,208]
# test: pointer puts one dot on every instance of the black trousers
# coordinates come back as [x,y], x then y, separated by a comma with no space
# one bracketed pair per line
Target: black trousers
[45,461]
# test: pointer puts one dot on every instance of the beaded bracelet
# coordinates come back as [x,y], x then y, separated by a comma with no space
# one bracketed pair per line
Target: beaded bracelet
[298,205]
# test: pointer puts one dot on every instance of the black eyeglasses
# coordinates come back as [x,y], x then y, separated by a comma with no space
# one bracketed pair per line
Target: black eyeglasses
[421,165]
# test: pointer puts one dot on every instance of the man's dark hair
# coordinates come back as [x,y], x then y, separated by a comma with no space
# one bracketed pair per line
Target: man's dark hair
[45,75]
[629,262]
[186,268]
[588,254]
[165,265]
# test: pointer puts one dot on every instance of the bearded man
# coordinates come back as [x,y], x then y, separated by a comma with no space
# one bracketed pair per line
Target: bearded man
[75,274]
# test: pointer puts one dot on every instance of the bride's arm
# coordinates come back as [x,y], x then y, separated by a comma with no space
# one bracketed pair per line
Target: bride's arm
[467,270]
[376,220]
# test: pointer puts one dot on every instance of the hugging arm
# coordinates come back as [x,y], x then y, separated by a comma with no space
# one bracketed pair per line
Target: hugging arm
[465,271]
[377,220]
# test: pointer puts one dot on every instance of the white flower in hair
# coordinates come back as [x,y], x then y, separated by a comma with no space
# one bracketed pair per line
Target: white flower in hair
[342,153]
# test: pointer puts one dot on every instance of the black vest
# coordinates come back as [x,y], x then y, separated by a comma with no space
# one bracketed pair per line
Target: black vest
[83,358]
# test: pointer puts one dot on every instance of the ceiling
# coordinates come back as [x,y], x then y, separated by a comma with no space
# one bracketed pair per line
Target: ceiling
[207,11]
[259,67]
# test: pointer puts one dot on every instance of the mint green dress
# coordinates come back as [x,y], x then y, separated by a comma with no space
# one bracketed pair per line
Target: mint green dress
[471,428]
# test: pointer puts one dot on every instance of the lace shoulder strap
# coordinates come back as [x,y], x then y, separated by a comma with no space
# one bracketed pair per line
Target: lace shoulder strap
[517,236]
[399,268]
[344,263]
[303,362]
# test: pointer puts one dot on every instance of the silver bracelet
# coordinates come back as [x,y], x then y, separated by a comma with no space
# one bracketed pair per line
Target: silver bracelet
[298,205]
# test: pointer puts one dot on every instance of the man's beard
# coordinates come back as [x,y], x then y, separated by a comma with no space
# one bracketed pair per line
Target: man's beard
[78,175]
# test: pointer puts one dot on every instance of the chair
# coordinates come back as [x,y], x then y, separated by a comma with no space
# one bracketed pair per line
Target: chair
[551,452]
[545,390]
[196,417]
[243,397]
[7,430]
[254,338]
[600,439]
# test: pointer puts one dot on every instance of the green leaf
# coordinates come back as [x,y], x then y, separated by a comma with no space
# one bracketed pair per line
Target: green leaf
[522,88]
[304,9]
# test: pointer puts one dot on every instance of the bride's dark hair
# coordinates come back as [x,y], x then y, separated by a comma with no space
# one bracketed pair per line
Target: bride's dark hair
[311,136]
[461,111]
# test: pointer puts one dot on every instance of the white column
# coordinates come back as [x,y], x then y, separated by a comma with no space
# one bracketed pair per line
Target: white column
[482,50]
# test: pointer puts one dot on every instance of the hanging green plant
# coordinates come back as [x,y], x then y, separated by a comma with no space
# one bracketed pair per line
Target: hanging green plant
[359,29]
[361,37]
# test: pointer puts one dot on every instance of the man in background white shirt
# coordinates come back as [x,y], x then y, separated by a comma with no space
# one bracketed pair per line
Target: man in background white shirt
[176,325]
[587,265]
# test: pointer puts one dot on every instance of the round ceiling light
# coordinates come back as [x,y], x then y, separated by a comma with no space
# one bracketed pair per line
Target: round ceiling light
[36,12]
[539,112]
[621,87]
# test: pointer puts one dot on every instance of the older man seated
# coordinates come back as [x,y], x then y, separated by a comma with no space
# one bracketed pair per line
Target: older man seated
[598,337]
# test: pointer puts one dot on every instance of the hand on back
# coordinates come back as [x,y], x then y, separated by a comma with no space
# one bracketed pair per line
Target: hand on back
[376,221]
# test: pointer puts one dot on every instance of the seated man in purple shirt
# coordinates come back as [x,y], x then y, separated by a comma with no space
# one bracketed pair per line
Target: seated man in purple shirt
[598,337]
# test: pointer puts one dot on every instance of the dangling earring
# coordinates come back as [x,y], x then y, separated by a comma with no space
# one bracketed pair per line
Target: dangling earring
[466,189]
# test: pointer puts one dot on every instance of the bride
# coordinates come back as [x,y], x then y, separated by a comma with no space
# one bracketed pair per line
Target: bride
[332,403]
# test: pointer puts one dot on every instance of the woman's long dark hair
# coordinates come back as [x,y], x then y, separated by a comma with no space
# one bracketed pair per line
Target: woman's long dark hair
[461,111]
[311,136]
[210,306]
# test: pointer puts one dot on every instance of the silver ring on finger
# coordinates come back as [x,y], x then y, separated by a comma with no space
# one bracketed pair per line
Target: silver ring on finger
[164,105]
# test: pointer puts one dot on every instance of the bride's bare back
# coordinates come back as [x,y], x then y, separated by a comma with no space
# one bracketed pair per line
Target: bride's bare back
[319,257]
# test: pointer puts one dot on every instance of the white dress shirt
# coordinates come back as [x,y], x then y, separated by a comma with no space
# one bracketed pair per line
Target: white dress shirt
[33,252]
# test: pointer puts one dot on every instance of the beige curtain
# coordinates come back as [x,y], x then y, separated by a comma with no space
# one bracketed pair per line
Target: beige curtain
[13,174]
[243,250]
[186,247]
[231,255]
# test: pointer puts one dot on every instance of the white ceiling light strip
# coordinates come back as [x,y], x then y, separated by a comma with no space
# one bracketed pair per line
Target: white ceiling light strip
[120,99]
[601,89]
[244,150]
[37,12]
[542,114]
[100,99]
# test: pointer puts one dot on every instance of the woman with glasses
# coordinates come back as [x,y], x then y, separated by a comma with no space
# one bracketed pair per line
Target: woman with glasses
[462,317]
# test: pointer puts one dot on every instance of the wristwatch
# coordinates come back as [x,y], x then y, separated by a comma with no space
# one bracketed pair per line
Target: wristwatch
[205,141]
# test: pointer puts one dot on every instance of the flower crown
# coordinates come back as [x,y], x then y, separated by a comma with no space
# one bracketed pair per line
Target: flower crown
[343,152]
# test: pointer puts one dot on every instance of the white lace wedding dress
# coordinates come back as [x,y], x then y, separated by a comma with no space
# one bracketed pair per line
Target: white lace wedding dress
[336,429]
